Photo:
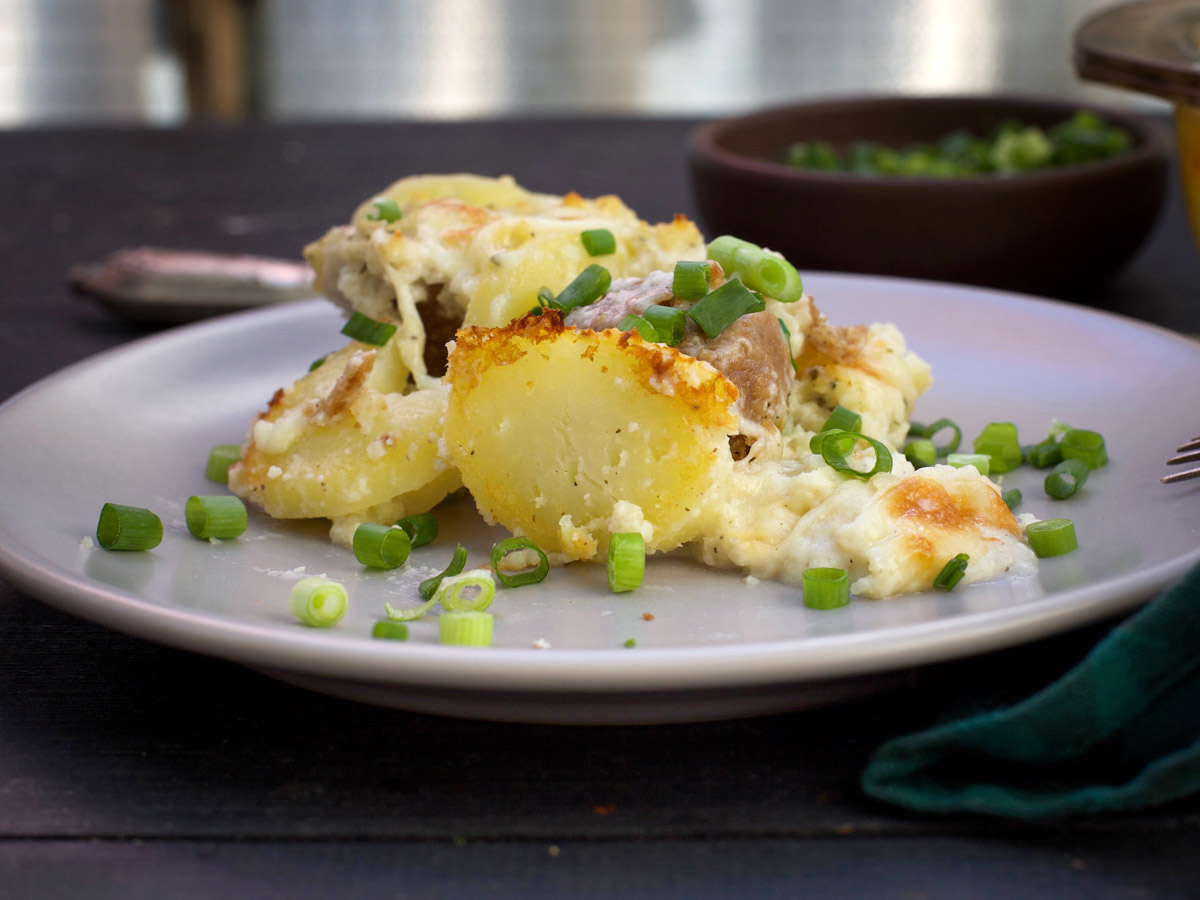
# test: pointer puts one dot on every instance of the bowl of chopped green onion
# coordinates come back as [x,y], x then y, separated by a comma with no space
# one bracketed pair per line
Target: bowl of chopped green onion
[1040,195]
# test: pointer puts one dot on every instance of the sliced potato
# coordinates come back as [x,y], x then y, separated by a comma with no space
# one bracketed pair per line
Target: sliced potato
[566,436]
[342,439]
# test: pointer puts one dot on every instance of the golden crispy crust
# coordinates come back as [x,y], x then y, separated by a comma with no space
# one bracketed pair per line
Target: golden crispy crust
[477,349]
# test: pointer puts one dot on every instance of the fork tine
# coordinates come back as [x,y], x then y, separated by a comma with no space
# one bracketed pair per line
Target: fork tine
[1181,476]
[1193,444]
[1194,456]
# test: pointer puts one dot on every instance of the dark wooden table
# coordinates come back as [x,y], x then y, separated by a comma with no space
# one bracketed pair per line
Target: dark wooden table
[132,770]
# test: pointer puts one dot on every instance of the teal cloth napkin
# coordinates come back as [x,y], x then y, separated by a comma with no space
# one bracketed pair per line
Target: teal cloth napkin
[1119,731]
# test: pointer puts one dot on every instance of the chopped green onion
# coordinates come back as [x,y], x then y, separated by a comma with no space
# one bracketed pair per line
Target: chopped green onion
[630,643]
[392,631]
[1086,446]
[545,297]
[787,339]
[768,274]
[691,279]
[220,458]
[386,210]
[826,588]
[817,440]
[724,306]
[1011,497]
[317,363]
[502,548]
[952,573]
[626,561]
[668,321]
[451,593]
[128,528]
[599,242]
[318,601]
[838,445]
[643,327]
[429,586]
[1046,454]
[918,430]
[465,629]
[980,461]
[1066,478]
[931,430]
[842,419]
[421,528]
[215,517]
[758,269]
[721,250]
[1053,537]
[589,286]
[381,546]
[408,613]
[365,329]
[921,453]
[998,440]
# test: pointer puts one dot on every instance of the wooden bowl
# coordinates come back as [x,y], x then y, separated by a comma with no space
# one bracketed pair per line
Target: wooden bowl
[1050,232]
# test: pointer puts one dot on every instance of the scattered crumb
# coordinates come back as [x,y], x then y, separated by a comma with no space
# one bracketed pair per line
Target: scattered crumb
[1077,864]
[604,809]
[541,644]
[649,617]
[274,472]
[214,540]
[607,612]
[750,579]
[87,543]
[292,574]
[553,850]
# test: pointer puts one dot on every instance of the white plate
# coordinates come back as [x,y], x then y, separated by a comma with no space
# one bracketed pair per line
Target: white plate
[134,426]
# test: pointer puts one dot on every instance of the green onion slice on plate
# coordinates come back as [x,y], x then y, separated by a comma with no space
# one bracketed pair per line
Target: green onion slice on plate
[128,528]
[218,517]
[921,453]
[469,592]
[826,588]
[1066,478]
[429,586]
[220,458]
[389,630]
[933,428]
[1085,446]
[381,546]
[1052,537]
[318,602]
[626,561]
[421,528]
[465,629]
[981,461]
[502,548]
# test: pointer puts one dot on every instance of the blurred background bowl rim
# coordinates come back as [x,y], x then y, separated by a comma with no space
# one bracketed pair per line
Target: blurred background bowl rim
[1153,144]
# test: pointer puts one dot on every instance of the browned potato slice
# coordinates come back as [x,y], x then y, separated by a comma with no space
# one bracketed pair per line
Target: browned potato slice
[343,439]
[566,436]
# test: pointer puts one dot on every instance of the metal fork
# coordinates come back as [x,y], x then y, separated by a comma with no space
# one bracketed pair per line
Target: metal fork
[1189,452]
